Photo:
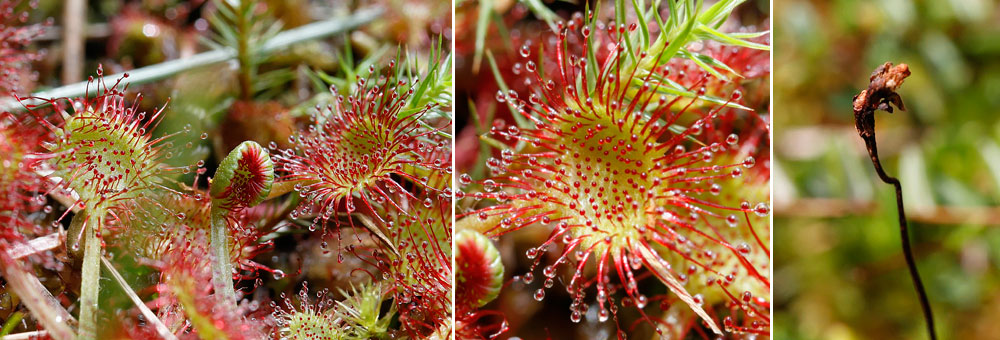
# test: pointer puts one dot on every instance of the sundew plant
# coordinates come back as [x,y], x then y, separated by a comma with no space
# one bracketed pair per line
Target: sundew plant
[16,34]
[635,155]
[257,192]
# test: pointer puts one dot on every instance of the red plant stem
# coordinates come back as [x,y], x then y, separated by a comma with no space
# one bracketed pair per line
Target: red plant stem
[767,251]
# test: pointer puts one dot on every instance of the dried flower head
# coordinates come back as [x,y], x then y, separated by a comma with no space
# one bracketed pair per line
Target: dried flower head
[881,95]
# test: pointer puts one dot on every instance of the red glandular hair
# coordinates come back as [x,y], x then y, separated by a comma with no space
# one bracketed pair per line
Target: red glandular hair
[358,147]
[417,221]
[186,273]
[103,150]
[14,39]
[149,232]
[21,188]
[633,178]
[362,157]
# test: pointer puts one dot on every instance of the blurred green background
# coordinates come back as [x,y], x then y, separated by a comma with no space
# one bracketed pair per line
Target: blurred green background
[839,268]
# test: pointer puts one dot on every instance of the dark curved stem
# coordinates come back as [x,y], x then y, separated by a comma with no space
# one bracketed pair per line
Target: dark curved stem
[904,234]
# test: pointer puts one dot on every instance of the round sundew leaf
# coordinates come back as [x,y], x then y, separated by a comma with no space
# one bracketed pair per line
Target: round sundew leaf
[244,177]
[480,271]
[106,154]
[620,155]
[314,325]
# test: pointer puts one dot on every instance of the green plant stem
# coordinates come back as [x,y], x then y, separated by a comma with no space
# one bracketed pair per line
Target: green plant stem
[90,278]
[222,269]
[167,69]
[11,323]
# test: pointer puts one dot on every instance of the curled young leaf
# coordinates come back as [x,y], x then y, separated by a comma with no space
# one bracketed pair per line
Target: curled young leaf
[244,177]
[480,271]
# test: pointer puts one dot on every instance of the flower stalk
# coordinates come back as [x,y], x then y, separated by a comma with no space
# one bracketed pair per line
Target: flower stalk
[880,94]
